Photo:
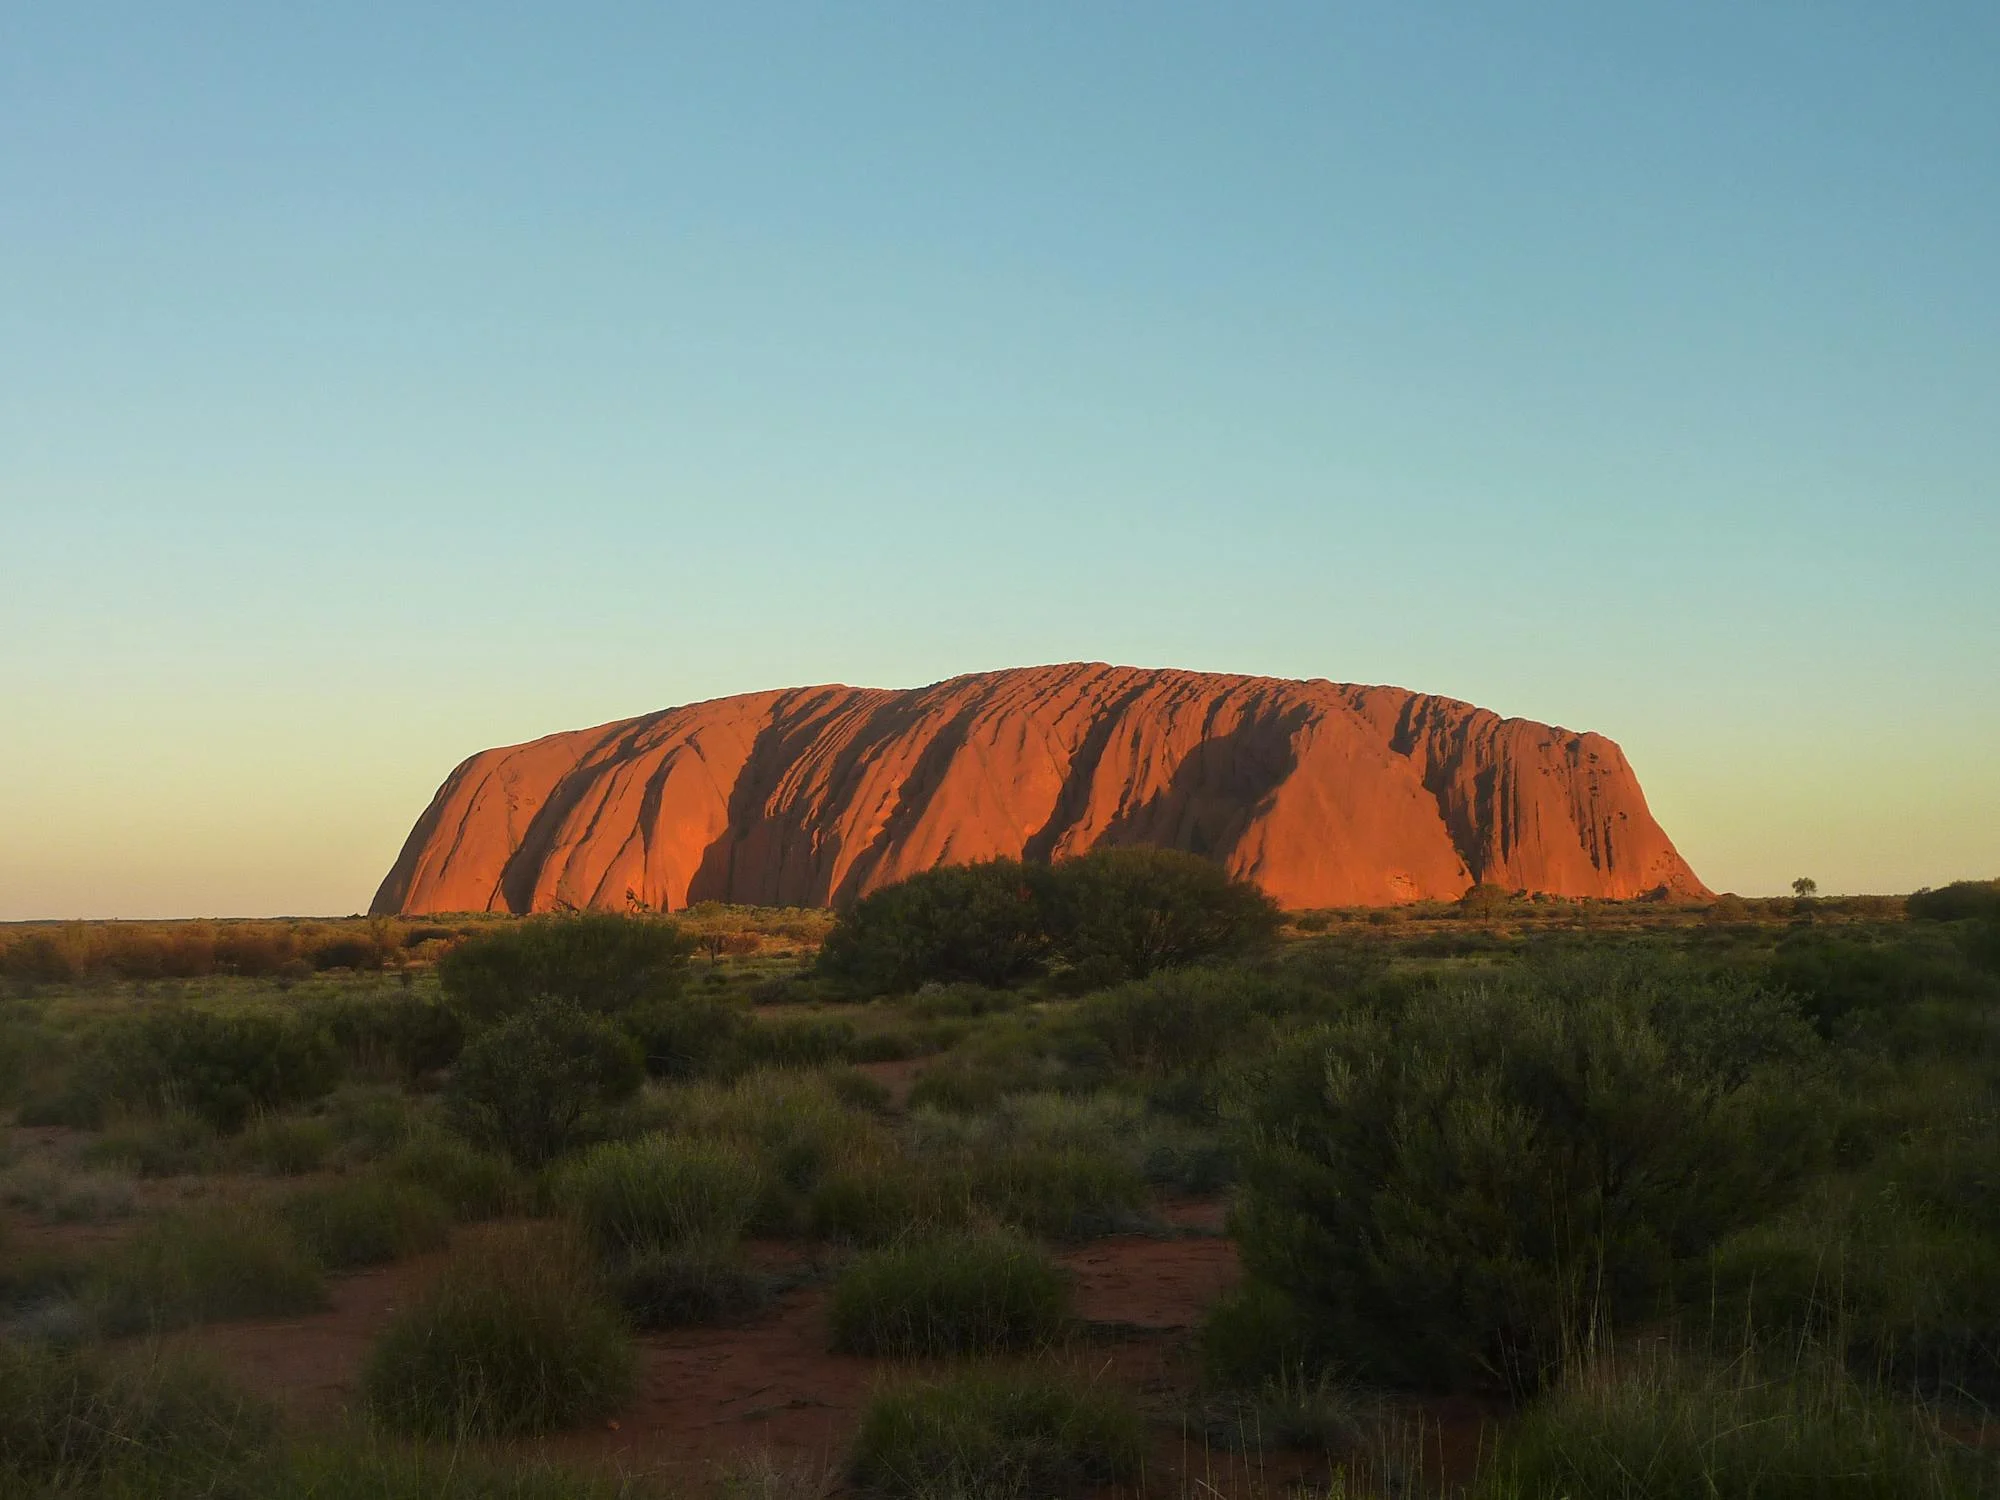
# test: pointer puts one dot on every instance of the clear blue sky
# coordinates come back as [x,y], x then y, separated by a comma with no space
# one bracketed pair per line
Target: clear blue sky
[381,382]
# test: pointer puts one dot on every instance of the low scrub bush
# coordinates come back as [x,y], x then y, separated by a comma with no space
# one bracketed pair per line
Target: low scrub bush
[1903,1296]
[794,1043]
[595,962]
[795,1121]
[1060,1192]
[74,1422]
[167,1145]
[661,1191]
[222,1068]
[365,1468]
[1110,915]
[367,1221]
[983,923]
[182,1269]
[286,1145]
[1662,1430]
[1456,1194]
[512,1339]
[1962,900]
[687,1285]
[473,1184]
[686,1038]
[964,1294]
[1118,914]
[1000,1432]
[1183,1020]
[878,1200]
[69,1197]
[395,1036]
[530,1086]
[368,1120]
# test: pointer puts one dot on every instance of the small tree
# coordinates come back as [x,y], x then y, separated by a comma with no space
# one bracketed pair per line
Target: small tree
[1805,888]
[983,922]
[529,1085]
[1118,914]
[596,961]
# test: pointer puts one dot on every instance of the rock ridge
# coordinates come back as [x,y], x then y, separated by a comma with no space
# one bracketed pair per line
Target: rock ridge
[1325,793]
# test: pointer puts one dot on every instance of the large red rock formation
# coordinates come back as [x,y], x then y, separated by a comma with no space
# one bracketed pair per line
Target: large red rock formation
[1323,793]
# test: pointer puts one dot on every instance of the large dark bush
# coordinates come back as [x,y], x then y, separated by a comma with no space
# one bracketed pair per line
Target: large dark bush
[1119,914]
[1111,915]
[595,961]
[530,1085]
[1849,982]
[1957,902]
[980,923]
[400,1035]
[1459,1193]
[219,1067]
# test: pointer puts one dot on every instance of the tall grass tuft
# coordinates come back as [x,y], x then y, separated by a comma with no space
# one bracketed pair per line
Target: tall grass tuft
[1661,1429]
[996,1432]
[181,1269]
[513,1338]
[661,1191]
[77,1423]
[367,1221]
[965,1294]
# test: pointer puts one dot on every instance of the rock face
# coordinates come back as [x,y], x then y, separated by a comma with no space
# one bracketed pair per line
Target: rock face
[1325,794]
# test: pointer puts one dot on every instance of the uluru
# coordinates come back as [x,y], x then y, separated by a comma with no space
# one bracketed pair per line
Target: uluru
[1324,793]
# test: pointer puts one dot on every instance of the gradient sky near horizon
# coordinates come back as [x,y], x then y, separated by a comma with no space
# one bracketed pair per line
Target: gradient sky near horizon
[382,382]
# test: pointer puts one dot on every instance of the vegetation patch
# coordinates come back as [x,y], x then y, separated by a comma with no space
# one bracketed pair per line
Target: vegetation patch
[512,1339]
[204,1267]
[1009,1432]
[367,1220]
[962,1294]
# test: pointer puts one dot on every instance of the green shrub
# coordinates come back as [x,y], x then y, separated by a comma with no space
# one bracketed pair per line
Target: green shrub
[1119,914]
[222,1068]
[368,1120]
[686,1285]
[795,1120]
[367,1221]
[1060,1192]
[400,1036]
[982,923]
[530,1085]
[286,1145]
[995,1432]
[592,961]
[877,1200]
[1960,901]
[793,1043]
[1901,1295]
[688,1037]
[1453,1195]
[1661,1430]
[1181,1020]
[472,1183]
[512,1339]
[365,1468]
[1254,1334]
[73,1422]
[660,1192]
[182,1269]
[168,1145]
[964,1294]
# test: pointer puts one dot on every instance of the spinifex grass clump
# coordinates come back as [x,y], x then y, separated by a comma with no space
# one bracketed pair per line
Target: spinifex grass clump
[182,1269]
[1663,1430]
[367,1220]
[1025,1432]
[474,1184]
[76,1423]
[512,1338]
[962,1294]
[661,1191]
